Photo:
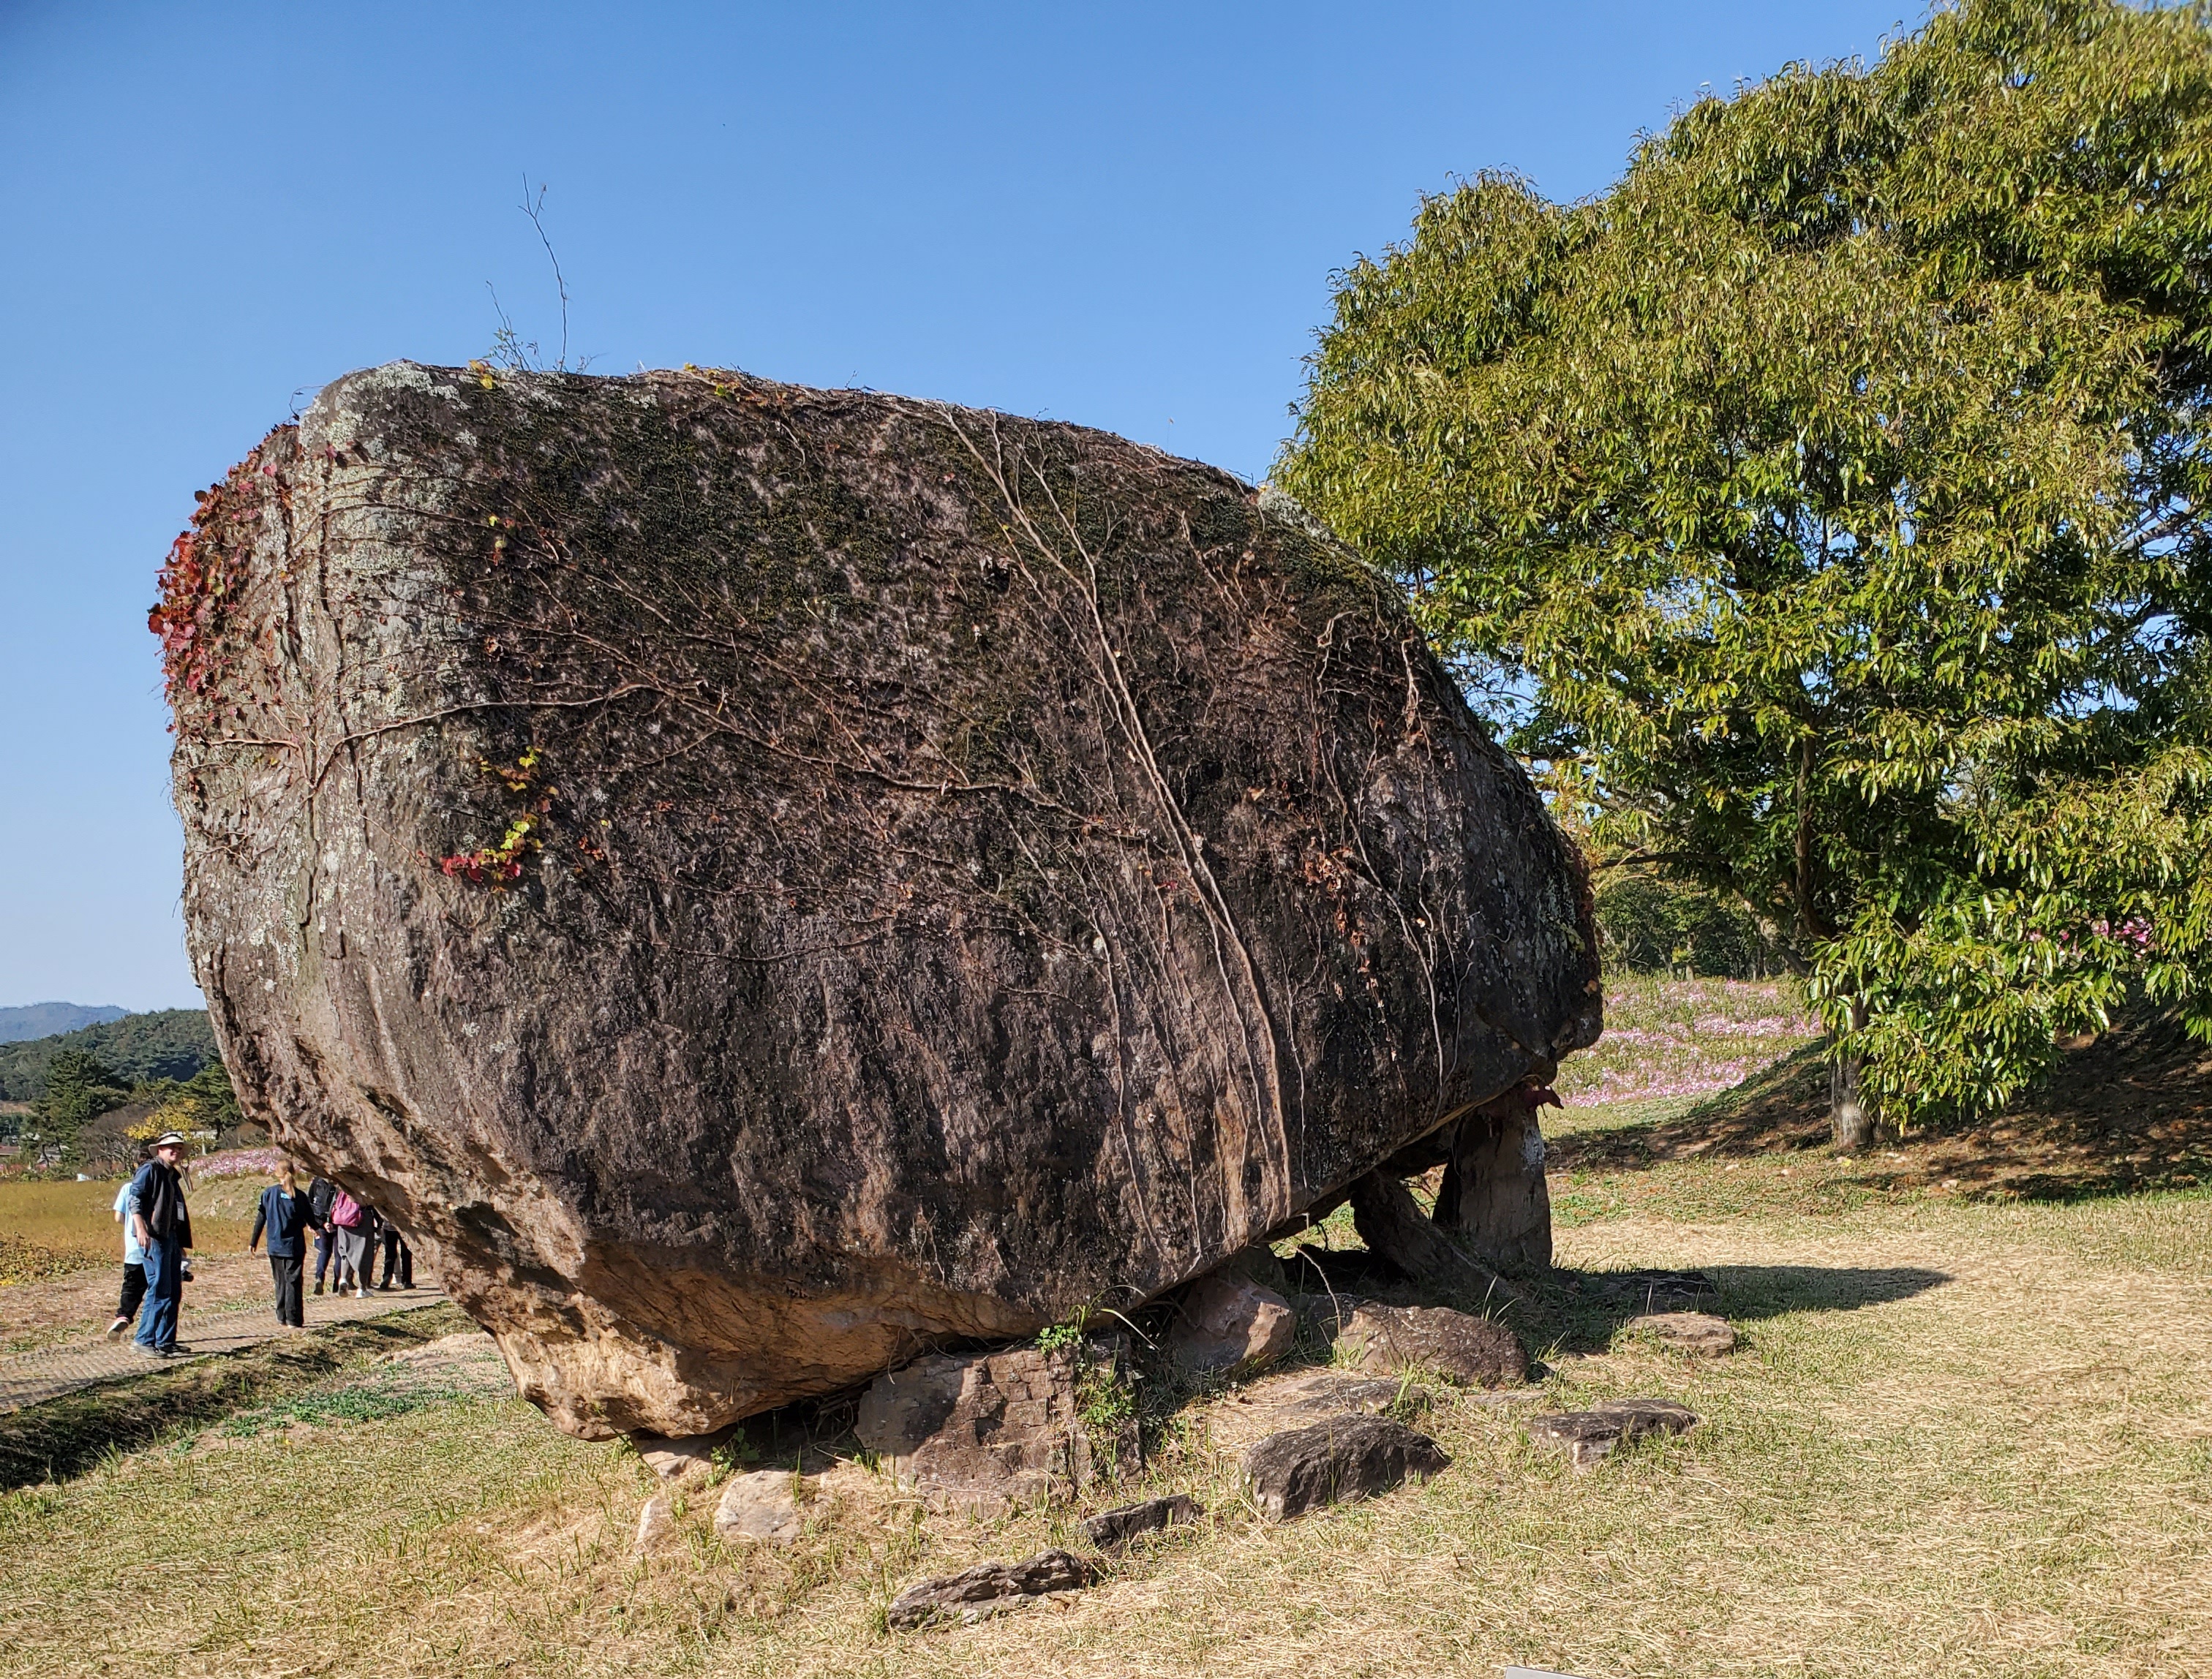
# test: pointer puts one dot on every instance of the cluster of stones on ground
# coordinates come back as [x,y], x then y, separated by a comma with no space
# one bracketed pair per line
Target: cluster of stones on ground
[987,1433]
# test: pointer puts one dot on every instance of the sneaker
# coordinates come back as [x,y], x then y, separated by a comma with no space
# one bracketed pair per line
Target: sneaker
[318,1285]
[361,1294]
[118,1327]
[145,1351]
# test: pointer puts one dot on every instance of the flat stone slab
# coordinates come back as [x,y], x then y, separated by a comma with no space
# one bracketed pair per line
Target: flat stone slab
[1111,1529]
[1457,1346]
[1296,1398]
[1335,1461]
[1696,1332]
[760,1508]
[987,1589]
[1588,1437]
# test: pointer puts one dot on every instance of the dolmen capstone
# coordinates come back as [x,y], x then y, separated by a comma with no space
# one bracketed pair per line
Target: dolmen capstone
[763,881]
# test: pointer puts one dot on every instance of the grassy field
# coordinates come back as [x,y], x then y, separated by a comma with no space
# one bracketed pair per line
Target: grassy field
[54,1229]
[48,1229]
[1965,1435]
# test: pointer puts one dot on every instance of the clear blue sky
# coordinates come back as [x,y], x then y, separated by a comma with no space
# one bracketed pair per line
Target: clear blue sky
[1121,215]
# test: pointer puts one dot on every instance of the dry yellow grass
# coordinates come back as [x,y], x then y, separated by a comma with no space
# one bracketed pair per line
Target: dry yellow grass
[1960,1441]
[50,1229]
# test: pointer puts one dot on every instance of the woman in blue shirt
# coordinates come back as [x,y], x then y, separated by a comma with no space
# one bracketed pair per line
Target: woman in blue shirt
[286,1217]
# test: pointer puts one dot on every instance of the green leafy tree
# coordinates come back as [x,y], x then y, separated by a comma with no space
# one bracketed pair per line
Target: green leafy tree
[1821,508]
[78,1088]
[208,1098]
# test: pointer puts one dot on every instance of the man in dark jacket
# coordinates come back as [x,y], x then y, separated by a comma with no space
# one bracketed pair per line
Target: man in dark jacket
[285,1216]
[165,1234]
[320,1194]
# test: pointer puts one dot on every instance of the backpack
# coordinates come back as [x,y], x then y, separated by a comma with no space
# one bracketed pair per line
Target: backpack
[345,1212]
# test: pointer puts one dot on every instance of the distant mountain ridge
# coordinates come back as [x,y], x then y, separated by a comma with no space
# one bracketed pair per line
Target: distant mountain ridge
[168,1043]
[45,1019]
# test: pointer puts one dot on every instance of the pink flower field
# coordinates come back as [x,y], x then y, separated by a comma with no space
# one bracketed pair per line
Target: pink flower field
[1685,1038]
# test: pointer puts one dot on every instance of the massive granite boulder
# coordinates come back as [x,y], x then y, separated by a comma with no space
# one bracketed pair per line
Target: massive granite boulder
[761,881]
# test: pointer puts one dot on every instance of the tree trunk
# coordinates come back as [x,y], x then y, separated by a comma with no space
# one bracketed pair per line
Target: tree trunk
[1850,1119]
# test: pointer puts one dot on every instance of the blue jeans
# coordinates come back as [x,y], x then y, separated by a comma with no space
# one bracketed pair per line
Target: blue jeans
[165,1287]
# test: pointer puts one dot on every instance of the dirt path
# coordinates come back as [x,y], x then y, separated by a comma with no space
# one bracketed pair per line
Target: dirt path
[221,1320]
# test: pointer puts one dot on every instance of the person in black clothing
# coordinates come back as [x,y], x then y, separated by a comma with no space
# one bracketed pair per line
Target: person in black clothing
[320,1194]
[397,1255]
[286,1215]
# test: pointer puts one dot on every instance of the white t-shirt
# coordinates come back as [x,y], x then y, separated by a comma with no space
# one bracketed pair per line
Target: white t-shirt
[126,1209]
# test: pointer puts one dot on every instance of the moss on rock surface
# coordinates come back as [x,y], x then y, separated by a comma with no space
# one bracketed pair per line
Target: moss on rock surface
[764,879]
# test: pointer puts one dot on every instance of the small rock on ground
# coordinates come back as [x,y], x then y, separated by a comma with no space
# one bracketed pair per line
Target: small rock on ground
[1334,1461]
[1588,1437]
[1112,1529]
[672,1458]
[655,1522]
[1457,1345]
[1698,1332]
[761,1506]
[987,1589]
[1229,1322]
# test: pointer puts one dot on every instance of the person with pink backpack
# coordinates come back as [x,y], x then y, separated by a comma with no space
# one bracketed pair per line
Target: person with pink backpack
[351,1220]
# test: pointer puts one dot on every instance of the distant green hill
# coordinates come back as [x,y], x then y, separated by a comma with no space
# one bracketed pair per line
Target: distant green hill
[46,1020]
[169,1043]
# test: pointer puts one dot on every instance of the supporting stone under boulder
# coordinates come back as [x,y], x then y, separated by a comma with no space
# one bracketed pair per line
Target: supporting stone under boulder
[759,881]
[989,1432]
[1228,1322]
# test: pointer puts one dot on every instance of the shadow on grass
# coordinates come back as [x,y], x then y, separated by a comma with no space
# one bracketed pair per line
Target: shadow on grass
[59,1438]
[1580,1312]
[1768,1291]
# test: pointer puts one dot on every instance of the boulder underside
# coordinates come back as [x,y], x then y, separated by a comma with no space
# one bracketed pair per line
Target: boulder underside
[763,882]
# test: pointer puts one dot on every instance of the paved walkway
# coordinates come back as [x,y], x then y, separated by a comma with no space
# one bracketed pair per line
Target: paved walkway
[25,1378]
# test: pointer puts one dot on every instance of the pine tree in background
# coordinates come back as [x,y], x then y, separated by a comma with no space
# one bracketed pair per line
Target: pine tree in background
[79,1089]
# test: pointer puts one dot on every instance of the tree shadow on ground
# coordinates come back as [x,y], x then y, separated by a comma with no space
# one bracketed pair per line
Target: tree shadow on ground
[2126,1112]
[1582,1312]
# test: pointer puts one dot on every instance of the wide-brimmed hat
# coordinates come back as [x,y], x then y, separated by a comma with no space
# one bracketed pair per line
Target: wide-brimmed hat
[169,1140]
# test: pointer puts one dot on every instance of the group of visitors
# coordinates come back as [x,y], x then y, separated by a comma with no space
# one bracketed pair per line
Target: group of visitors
[157,1240]
[348,1234]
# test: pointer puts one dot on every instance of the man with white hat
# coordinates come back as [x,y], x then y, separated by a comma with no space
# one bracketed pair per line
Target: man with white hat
[164,1224]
